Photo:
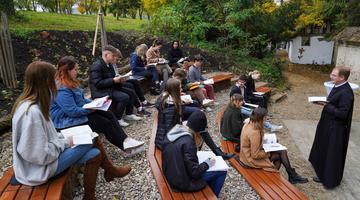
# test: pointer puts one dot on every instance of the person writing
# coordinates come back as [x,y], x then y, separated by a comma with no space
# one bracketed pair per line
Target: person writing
[153,57]
[180,162]
[252,153]
[39,151]
[328,152]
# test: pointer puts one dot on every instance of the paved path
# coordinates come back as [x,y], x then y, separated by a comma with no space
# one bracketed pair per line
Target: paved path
[303,132]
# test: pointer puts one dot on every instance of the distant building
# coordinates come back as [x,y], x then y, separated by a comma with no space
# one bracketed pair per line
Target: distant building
[347,51]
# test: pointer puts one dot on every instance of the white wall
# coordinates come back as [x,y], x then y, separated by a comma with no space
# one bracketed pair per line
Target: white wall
[319,52]
[350,56]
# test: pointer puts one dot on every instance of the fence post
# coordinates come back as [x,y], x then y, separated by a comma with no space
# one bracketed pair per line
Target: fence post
[7,63]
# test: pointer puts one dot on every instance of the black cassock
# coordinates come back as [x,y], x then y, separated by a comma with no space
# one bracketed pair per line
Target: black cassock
[328,152]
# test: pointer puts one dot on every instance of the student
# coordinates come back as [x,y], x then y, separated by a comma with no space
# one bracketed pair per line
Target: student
[67,109]
[239,88]
[132,88]
[172,112]
[175,54]
[253,155]
[139,68]
[104,83]
[260,100]
[179,160]
[39,152]
[194,75]
[153,56]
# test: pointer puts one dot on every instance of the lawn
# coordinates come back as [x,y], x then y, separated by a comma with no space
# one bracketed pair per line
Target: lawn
[33,21]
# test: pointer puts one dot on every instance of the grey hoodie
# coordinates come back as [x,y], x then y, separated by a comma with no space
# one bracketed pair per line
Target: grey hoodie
[36,145]
[178,131]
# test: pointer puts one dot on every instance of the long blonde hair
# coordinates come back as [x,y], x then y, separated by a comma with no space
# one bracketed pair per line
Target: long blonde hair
[141,51]
[39,87]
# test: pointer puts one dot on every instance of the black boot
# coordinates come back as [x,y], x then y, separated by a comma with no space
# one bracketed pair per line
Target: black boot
[225,156]
[295,177]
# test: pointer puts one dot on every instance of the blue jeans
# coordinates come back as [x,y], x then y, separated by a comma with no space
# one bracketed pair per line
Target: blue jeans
[79,154]
[215,179]
[247,112]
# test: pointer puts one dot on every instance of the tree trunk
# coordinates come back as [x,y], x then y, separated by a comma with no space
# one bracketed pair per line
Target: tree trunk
[141,11]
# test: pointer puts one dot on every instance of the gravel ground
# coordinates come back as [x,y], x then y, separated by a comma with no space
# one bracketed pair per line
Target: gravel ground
[140,184]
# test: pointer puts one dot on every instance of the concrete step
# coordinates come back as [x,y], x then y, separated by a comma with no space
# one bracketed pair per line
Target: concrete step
[278,97]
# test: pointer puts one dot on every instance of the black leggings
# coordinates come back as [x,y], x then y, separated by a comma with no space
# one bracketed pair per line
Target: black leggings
[105,122]
[280,157]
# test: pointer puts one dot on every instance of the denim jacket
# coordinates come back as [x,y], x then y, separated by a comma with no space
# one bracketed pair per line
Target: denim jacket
[66,110]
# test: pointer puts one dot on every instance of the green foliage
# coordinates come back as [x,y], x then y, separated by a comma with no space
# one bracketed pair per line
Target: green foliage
[7,6]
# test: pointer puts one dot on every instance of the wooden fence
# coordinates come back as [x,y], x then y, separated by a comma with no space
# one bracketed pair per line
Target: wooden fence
[7,64]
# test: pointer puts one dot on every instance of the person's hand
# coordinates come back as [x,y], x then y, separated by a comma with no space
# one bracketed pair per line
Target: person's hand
[210,161]
[117,79]
[321,103]
[71,141]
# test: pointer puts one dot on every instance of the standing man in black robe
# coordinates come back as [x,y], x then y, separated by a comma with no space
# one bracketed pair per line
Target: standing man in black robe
[328,152]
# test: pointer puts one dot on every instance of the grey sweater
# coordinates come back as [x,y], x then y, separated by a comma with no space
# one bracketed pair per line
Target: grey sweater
[194,74]
[36,145]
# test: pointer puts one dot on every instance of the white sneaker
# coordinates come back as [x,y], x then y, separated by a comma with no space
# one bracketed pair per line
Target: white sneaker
[207,102]
[130,143]
[123,123]
[134,151]
[208,109]
[275,128]
[132,117]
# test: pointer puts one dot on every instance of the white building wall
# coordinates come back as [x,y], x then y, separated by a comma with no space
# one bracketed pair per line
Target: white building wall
[350,56]
[319,52]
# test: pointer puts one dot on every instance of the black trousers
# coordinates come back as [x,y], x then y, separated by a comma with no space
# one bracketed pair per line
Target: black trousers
[134,85]
[106,122]
[120,102]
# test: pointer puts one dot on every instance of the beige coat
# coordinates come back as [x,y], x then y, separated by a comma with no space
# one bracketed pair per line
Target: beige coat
[152,56]
[251,152]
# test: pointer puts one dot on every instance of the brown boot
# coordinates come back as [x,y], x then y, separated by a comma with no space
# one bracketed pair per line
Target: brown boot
[111,171]
[90,176]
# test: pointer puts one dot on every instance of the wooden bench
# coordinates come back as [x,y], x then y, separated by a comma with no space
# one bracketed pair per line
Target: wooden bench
[265,90]
[155,161]
[222,81]
[59,187]
[267,184]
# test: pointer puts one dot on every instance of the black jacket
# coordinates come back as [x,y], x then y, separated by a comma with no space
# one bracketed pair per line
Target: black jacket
[167,118]
[174,55]
[231,124]
[101,79]
[180,163]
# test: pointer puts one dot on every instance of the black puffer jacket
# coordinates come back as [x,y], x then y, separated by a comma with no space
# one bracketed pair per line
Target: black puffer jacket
[180,163]
[167,118]
[101,79]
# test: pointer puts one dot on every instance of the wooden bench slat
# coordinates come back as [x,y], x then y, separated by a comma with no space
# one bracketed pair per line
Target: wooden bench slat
[39,192]
[10,192]
[24,193]
[188,195]
[56,186]
[5,180]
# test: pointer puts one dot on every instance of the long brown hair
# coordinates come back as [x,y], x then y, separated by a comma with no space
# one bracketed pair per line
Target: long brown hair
[257,118]
[39,87]
[233,98]
[62,75]
[172,88]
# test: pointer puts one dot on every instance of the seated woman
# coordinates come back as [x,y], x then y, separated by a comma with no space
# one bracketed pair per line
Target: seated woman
[252,153]
[153,56]
[139,68]
[175,54]
[179,160]
[39,151]
[172,112]
[260,100]
[67,109]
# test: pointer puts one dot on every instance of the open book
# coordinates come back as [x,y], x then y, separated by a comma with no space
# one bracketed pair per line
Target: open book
[209,81]
[81,134]
[270,143]
[102,103]
[317,99]
[220,164]
[186,99]
[259,93]
[251,105]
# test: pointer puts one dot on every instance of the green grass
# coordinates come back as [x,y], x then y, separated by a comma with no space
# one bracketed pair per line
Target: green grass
[35,21]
